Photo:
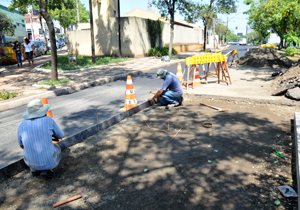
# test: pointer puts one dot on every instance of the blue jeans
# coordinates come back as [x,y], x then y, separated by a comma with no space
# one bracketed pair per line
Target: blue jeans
[19,58]
[169,97]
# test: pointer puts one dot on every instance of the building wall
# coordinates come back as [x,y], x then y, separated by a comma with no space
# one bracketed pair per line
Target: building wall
[135,41]
[18,21]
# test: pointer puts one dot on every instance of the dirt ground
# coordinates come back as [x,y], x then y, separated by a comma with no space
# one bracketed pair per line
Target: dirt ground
[139,164]
[263,57]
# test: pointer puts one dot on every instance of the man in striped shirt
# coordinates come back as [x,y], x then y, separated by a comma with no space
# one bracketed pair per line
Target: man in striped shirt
[35,137]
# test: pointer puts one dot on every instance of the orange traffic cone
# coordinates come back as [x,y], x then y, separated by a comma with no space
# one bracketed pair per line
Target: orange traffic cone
[247,49]
[130,99]
[179,72]
[197,78]
[49,113]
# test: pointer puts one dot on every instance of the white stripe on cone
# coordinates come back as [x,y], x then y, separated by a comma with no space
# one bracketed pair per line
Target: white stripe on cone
[129,92]
[134,101]
[129,81]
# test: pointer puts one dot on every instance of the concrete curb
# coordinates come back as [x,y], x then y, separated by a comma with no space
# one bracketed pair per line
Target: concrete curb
[67,90]
[198,97]
[20,165]
[297,148]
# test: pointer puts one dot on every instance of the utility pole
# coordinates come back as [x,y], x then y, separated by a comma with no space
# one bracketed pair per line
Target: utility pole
[119,22]
[227,29]
[214,26]
[92,32]
[32,34]
[78,20]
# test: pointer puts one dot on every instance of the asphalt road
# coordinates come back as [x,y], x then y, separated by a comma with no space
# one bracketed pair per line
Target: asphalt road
[77,111]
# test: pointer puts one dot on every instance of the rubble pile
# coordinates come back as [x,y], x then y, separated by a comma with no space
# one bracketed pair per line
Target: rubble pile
[265,57]
[288,82]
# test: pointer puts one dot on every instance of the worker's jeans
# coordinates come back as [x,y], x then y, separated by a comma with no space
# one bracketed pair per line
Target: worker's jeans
[169,97]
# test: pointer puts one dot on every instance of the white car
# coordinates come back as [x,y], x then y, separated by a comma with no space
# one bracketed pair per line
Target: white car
[234,42]
[243,41]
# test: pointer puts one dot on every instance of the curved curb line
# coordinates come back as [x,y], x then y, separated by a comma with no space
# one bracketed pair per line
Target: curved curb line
[72,89]
[18,166]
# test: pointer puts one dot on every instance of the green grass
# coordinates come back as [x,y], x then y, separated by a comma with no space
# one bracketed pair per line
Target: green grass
[83,62]
[51,82]
[48,53]
[177,58]
[203,51]
[295,58]
[4,94]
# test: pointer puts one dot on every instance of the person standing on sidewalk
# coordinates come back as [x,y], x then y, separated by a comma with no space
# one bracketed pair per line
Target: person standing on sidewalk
[29,51]
[35,137]
[17,49]
[171,91]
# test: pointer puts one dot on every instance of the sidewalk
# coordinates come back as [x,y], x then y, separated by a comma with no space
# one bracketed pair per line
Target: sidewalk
[22,80]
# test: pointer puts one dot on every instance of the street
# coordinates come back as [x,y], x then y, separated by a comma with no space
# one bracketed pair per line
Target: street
[77,111]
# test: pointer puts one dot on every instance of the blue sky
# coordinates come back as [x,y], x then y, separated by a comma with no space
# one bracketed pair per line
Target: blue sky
[236,19]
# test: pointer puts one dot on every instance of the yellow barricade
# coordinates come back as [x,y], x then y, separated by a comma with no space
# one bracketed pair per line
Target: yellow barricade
[268,45]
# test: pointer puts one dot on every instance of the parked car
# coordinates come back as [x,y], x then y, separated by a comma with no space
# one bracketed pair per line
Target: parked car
[39,48]
[234,42]
[49,44]
[243,41]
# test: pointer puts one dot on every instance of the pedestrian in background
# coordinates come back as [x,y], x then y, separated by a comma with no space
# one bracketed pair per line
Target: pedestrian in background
[59,43]
[17,49]
[29,50]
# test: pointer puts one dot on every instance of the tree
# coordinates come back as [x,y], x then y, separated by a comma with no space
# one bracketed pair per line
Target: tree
[279,16]
[206,12]
[6,26]
[168,8]
[221,28]
[44,8]
[68,17]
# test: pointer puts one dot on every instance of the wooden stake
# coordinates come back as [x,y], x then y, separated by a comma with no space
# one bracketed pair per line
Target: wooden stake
[97,119]
[177,132]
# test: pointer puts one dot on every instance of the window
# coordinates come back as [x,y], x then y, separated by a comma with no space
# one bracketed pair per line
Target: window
[18,24]
[40,31]
[23,21]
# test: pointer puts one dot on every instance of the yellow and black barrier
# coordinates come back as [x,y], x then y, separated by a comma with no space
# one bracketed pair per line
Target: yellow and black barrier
[219,62]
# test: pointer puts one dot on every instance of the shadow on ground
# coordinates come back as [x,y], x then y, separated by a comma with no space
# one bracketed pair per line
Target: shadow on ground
[141,164]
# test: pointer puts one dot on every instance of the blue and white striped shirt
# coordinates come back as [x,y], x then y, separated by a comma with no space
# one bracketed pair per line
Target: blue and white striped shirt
[36,137]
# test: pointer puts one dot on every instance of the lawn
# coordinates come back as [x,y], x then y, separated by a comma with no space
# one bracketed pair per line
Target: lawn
[295,58]
[176,58]
[52,83]
[83,62]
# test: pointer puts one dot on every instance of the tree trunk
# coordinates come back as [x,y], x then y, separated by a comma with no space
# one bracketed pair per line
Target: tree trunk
[45,37]
[92,32]
[205,29]
[280,44]
[49,22]
[171,35]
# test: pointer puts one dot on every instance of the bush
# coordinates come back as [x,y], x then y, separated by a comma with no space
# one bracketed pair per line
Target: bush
[160,51]
[291,50]
[4,94]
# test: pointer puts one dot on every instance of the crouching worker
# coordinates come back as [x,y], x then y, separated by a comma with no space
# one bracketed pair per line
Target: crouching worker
[171,91]
[35,137]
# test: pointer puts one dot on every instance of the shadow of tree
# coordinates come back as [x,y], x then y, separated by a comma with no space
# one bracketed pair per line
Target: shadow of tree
[130,166]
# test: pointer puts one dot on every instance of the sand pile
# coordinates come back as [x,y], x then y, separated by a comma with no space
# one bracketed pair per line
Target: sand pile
[265,57]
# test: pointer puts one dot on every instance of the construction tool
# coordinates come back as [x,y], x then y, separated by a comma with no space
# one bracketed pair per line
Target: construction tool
[219,109]
[81,195]
[152,92]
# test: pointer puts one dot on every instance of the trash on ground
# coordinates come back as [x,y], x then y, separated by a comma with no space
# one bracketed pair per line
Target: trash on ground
[209,161]
[207,125]
[277,202]
[145,170]
[287,191]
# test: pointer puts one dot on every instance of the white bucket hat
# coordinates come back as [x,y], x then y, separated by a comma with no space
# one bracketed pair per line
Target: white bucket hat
[35,109]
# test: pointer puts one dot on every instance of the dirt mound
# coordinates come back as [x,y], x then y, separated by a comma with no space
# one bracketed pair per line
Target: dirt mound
[265,57]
